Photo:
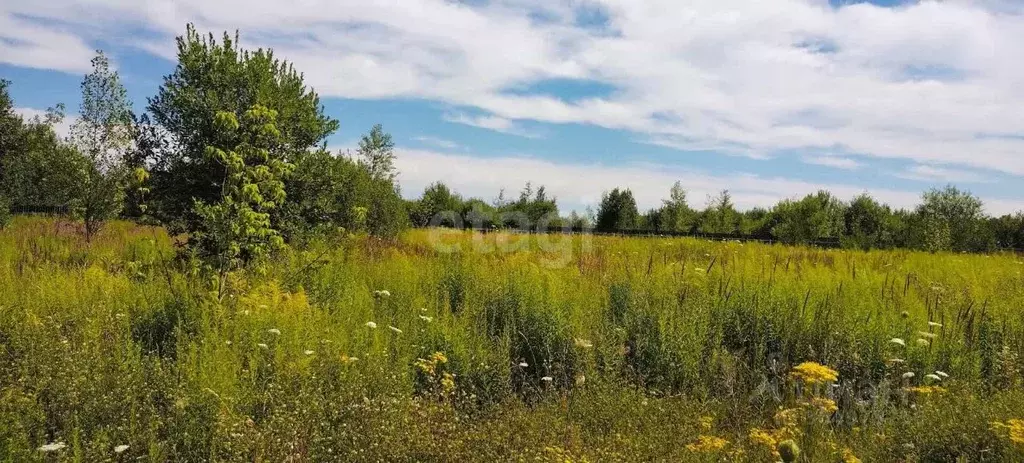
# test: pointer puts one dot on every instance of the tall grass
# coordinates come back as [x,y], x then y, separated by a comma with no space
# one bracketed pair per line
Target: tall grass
[575,349]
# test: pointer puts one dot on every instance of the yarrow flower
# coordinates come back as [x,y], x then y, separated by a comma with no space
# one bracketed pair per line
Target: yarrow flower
[120,448]
[908,375]
[933,377]
[426,318]
[371,325]
[274,331]
[383,293]
[53,447]
[547,379]
[583,343]
[935,324]
[395,329]
[523,364]
[308,352]
[262,346]
[923,342]
[943,374]
[898,341]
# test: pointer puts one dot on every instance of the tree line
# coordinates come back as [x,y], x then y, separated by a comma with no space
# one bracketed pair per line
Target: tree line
[231,152]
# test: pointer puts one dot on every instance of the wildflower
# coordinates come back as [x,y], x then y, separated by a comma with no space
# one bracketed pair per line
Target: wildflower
[395,329]
[905,314]
[826,405]
[896,361]
[53,447]
[935,324]
[371,325]
[547,379]
[923,342]
[926,390]
[448,383]
[228,342]
[933,377]
[120,448]
[274,331]
[943,374]
[706,422]
[814,373]
[706,444]
[908,375]
[583,343]
[898,341]
[788,451]
[849,457]
[523,364]
[581,379]
[439,357]
[760,436]
[308,352]
[426,318]
[348,360]
[1014,429]
[262,346]
[926,334]
[380,294]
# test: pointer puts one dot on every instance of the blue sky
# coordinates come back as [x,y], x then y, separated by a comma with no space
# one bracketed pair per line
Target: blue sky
[767,99]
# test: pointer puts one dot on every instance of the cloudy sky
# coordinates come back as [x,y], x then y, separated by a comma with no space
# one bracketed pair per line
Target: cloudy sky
[768,99]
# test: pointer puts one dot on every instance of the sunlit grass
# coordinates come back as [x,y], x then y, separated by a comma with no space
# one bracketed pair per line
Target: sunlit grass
[554,348]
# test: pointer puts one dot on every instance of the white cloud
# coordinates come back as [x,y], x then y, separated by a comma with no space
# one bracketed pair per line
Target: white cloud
[438,142]
[929,81]
[833,161]
[495,123]
[926,173]
[579,185]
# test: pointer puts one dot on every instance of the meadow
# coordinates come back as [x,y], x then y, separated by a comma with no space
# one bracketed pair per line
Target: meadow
[456,346]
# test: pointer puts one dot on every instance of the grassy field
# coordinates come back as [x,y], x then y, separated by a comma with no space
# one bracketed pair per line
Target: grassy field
[450,346]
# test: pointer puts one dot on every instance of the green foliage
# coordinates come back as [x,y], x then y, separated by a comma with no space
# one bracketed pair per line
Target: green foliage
[720,216]
[377,154]
[102,135]
[237,229]
[617,211]
[41,170]
[213,77]
[819,215]
[952,220]
[438,206]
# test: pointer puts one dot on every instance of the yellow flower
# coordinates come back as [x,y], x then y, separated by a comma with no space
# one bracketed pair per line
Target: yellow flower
[814,373]
[1014,430]
[706,444]
[706,422]
[439,357]
[926,390]
[826,405]
[448,383]
[849,457]
[762,437]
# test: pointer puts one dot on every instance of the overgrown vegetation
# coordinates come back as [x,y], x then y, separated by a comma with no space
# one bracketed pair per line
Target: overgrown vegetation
[633,349]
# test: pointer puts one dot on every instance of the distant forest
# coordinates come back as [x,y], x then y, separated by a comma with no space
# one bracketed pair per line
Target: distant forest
[231,150]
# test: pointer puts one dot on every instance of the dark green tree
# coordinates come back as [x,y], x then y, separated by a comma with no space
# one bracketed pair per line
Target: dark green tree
[439,205]
[617,211]
[819,215]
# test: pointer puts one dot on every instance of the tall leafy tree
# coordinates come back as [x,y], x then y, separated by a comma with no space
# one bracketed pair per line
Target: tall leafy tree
[102,134]
[951,219]
[213,77]
[377,153]
[617,211]
[236,229]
